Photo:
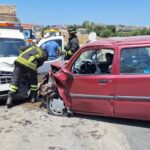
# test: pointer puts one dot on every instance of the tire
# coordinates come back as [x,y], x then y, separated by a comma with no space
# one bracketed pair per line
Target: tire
[55,105]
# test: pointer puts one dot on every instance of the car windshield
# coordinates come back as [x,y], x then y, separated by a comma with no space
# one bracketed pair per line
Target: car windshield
[10,47]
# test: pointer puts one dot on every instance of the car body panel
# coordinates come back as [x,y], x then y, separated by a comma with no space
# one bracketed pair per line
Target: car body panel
[4,90]
[6,65]
[132,96]
[96,97]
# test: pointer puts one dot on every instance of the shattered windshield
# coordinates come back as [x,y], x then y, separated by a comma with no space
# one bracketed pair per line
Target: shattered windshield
[10,47]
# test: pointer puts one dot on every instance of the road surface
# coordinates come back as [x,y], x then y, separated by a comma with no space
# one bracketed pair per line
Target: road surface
[27,127]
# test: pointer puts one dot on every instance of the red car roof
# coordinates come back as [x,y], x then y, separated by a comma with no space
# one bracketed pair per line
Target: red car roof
[121,41]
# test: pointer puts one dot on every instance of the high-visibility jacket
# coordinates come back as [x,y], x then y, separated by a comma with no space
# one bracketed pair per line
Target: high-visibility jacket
[32,57]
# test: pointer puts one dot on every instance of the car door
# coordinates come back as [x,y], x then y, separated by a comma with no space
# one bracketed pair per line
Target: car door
[92,92]
[132,98]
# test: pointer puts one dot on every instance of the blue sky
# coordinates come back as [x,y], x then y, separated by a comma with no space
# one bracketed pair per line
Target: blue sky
[54,12]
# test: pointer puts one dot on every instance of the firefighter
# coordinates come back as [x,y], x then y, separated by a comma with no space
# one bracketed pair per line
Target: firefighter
[73,43]
[27,62]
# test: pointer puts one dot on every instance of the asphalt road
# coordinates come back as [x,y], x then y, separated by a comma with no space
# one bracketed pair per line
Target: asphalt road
[137,132]
[26,126]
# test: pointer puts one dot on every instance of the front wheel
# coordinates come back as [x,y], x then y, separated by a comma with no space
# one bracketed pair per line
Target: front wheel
[55,105]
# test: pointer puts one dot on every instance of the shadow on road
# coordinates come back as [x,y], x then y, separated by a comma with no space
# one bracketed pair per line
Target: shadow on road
[15,103]
[120,121]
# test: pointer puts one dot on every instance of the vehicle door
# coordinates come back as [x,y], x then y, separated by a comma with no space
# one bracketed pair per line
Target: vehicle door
[92,90]
[132,98]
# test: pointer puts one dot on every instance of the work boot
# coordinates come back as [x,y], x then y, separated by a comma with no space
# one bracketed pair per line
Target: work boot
[9,101]
[33,97]
[33,100]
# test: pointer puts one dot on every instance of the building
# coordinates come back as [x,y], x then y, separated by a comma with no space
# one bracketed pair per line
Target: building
[8,14]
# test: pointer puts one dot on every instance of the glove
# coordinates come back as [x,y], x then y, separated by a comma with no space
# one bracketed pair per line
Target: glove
[69,53]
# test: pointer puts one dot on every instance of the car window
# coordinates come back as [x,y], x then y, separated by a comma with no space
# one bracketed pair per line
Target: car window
[96,61]
[10,47]
[135,60]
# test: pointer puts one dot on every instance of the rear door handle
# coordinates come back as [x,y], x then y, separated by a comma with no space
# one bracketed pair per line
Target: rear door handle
[104,81]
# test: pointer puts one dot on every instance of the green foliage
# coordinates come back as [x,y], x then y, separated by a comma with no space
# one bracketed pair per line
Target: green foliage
[110,30]
[107,30]
[90,26]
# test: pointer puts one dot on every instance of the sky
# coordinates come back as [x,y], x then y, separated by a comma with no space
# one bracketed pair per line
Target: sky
[67,12]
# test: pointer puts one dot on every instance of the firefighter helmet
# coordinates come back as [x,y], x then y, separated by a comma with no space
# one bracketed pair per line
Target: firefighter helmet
[72,30]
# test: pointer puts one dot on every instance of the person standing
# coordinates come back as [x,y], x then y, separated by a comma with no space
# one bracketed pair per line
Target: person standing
[73,43]
[53,49]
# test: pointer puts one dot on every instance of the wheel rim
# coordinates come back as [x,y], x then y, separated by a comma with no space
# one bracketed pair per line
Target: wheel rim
[57,106]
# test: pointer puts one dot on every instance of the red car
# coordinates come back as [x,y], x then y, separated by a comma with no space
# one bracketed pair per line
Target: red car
[107,77]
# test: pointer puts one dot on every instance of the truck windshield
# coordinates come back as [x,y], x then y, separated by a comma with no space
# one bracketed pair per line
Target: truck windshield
[10,47]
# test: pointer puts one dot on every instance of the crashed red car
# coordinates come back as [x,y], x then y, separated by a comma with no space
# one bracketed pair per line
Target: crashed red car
[91,83]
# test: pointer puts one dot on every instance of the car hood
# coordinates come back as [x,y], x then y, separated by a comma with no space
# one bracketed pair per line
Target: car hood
[58,64]
[7,63]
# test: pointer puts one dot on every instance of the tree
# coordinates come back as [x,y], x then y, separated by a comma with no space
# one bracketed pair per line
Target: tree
[85,24]
[112,28]
[89,26]
[106,33]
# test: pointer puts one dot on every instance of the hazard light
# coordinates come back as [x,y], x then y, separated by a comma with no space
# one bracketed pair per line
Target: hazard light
[7,25]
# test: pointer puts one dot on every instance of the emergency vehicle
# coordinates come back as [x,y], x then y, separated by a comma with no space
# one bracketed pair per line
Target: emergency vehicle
[11,39]
[52,32]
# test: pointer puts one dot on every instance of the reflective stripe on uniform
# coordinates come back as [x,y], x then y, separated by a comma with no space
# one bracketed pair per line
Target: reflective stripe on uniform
[31,59]
[37,56]
[26,63]
[34,87]
[40,51]
[59,49]
[70,52]
[26,51]
[13,88]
